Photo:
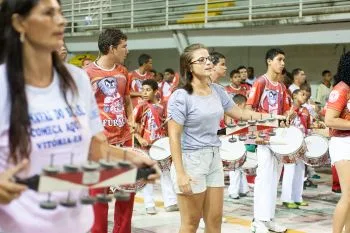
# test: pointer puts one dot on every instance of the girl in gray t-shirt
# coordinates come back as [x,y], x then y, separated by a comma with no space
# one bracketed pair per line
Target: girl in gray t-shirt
[195,112]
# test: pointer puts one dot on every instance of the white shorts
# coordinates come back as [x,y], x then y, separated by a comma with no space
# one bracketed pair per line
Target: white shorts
[339,149]
[204,166]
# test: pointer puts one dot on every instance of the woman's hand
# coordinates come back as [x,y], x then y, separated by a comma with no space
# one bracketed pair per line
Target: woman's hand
[140,161]
[184,183]
[8,189]
[261,141]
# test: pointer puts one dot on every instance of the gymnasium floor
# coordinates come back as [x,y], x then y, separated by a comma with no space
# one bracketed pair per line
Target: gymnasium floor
[316,218]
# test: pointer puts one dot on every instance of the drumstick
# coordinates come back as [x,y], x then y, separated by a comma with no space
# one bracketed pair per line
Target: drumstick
[166,121]
[277,143]
[158,147]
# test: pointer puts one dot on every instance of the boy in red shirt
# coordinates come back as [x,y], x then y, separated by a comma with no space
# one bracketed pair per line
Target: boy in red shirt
[236,86]
[293,176]
[268,96]
[138,76]
[149,117]
[109,80]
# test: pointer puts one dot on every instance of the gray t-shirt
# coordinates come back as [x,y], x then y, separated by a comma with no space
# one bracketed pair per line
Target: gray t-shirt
[200,116]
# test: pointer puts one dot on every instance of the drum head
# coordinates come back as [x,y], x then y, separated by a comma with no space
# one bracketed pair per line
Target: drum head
[160,149]
[292,139]
[251,161]
[317,146]
[231,151]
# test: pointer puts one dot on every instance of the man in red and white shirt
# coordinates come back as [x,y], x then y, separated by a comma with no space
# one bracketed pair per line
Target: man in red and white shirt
[109,79]
[268,96]
[138,76]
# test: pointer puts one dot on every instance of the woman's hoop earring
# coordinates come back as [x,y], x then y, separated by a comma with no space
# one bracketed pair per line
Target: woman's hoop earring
[22,37]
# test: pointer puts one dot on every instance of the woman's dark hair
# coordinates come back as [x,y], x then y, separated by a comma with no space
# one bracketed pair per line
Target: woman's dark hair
[10,54]
[343,72]
[185,65]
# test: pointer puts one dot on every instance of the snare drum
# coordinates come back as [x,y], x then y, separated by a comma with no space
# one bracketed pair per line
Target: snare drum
[233,154]
[288,144]
[317,151]
[139,184]
[160,152]
[251,164]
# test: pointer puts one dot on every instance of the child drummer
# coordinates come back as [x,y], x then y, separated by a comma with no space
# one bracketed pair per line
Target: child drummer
[149,118]
[293,176]
[238,180]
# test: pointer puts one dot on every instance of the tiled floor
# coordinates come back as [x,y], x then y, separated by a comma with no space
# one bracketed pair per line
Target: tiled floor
[316,218]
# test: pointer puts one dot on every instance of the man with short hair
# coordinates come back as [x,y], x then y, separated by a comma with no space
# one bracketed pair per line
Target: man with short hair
[244,76]
[109,80]
[251,78]
[219,68]
[325,88]
[268,95]
[299,78]
[138,76]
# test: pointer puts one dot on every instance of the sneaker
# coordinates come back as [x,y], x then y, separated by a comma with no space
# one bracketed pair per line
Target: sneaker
[151,210]
[233,197]
[259,227]
[201,224]
[303,203]
[308,183]
[290,205]
[172,208]
[243,194]
[275,227]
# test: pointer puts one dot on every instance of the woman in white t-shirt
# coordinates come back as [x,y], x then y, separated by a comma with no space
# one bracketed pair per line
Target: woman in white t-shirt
[47,108]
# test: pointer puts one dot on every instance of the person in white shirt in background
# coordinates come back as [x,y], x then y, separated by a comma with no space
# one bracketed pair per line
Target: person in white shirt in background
[166,85]
[251,78]
[325,88]
[299,78]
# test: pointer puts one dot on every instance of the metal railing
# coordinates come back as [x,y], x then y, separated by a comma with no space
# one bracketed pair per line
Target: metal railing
[87,15]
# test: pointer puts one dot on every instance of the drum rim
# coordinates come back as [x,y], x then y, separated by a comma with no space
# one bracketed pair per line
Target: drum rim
[154,148]
[273,147]
[242,149]
[326,153]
